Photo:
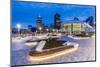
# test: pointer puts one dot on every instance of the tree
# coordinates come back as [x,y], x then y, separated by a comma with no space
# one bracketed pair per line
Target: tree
[90,20]
[75,18]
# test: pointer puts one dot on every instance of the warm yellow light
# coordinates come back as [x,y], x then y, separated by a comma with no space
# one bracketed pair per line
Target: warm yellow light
[40,28]
[31,43]
[47,57]
[47,29]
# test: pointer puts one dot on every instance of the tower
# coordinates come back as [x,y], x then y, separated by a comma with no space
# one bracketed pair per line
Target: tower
[57,21]
[39,23]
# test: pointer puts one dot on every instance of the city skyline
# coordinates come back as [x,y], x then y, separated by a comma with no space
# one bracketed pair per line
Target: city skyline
[25,13]
[52,33]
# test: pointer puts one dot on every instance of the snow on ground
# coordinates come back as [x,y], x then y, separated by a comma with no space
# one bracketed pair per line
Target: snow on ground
[86,52]
[40,46]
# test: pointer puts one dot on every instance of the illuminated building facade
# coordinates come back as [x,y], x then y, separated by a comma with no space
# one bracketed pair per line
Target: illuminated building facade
[76,27]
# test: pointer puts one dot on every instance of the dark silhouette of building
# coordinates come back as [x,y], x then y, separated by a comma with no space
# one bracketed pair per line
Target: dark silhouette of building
[51,26]
[57,21]
[14,30]
[29,27]
[33,29]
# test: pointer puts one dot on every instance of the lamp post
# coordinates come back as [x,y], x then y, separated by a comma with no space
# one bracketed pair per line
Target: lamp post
[18,27]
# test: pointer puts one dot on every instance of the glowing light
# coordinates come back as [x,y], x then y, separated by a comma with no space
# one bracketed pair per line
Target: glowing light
[18,26]
[40,28]
[47,57]
[53,30]
[47,29]
[59,34]
[31,43]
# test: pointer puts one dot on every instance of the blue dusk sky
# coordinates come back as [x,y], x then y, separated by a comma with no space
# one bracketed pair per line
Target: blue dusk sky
[26,13]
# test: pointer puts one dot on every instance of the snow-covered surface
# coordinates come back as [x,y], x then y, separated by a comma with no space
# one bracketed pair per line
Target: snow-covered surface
[66,38]
[86,52]
[40,46]
[88,25]
[71,43]
[78,38]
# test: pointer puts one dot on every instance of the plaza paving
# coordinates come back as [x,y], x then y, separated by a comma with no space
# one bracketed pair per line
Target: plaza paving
[86,52]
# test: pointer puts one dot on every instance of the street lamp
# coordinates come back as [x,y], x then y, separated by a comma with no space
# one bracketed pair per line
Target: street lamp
[18,27]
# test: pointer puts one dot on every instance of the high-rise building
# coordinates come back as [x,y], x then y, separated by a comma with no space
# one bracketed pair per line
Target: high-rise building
[57,21]
[39,23]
